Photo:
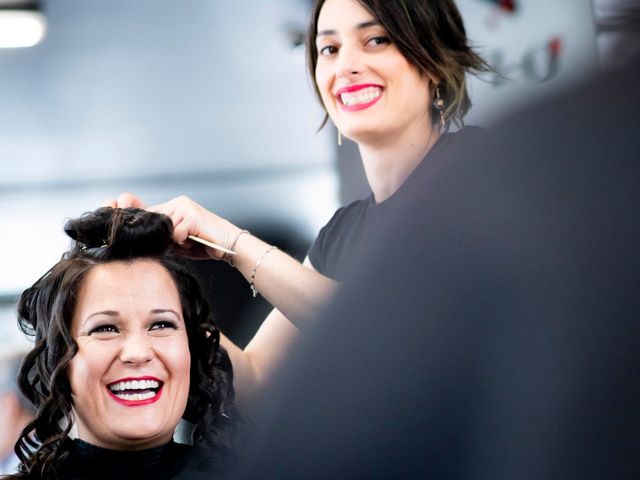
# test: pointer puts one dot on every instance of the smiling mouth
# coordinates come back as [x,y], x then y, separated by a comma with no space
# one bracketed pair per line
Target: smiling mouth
[135,391]
[364,96]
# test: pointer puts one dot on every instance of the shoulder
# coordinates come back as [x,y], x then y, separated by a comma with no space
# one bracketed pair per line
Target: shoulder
[344,217]
[470,131]
[463,137]
[453,144]
[336,235]
[452,148]
[353,210]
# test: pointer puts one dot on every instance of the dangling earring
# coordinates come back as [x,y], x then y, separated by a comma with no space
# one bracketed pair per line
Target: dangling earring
[339,138]
[439,105]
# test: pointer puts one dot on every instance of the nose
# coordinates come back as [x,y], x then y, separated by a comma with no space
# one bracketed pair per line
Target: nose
[136,350]
[349,62]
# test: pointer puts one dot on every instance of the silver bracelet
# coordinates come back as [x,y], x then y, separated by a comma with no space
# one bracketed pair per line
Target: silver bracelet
[229,258]
[255,269]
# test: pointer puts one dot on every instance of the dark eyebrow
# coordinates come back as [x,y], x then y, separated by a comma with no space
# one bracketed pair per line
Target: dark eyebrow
[360,26]
[165,310]
[108,313]
[113,313]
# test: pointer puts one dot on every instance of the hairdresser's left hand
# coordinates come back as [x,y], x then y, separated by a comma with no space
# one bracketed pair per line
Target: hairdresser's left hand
[190,218]
[125,200]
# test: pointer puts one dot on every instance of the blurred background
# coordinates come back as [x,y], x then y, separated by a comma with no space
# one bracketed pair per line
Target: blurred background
[211,99]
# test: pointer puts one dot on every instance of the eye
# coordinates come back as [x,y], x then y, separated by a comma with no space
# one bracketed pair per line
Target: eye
[378,41]
[328,50]
[104,329]
[164,325]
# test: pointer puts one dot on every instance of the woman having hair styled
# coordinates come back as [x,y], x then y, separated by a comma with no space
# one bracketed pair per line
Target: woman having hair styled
[125,347]
[391,76]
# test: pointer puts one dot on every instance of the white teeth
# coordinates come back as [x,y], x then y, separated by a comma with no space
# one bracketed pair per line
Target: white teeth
[148,388]
[360,97]
[134,385]
[136,397]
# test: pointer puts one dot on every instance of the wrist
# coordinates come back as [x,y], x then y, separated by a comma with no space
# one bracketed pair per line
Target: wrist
[252,280]
[228,257]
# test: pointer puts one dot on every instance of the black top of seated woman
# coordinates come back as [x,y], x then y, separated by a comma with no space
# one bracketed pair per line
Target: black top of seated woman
[170,461]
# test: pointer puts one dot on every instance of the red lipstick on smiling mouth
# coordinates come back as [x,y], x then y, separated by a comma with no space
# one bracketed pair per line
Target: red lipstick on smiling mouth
[358,97]
[136,391]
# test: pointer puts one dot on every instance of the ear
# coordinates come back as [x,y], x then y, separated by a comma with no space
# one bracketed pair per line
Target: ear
[433,80]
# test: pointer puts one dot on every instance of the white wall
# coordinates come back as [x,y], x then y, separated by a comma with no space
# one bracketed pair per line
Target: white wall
[200,97]
[540,47]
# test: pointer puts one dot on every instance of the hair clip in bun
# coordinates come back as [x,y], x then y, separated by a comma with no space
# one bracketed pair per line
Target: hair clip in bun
[86,247]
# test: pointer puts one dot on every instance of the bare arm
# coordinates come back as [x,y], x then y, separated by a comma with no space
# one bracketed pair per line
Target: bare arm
[295,290]
[260,361]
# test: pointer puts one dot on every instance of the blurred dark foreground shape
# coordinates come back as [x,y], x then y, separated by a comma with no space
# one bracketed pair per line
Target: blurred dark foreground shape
[493,330]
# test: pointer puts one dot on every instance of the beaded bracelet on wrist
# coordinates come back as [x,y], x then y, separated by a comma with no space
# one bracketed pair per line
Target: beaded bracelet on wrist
[254,291]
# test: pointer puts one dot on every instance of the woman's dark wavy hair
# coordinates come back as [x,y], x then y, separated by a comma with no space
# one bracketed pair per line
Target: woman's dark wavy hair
[431,35]
[45,311]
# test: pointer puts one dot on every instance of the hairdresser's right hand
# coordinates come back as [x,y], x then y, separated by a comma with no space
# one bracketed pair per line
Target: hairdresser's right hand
[189,218]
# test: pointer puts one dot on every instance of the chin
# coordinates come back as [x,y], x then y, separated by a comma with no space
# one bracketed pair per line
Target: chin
[363,136]
[363,131]
[354,134]
[138,442]
[145,435]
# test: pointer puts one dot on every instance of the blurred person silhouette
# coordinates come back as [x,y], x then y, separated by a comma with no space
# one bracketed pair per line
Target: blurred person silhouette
[15,411]
[493,330]
[391,76]
[125,347]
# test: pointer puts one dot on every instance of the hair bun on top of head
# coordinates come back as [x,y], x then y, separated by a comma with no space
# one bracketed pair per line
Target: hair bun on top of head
[120,233]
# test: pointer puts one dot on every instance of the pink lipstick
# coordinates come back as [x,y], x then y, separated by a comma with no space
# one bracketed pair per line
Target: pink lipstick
[358,97]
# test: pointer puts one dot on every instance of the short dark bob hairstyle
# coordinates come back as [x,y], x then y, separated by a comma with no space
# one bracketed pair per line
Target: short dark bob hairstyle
[431,35]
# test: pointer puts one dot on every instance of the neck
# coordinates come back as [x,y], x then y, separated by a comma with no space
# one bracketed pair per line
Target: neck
[388,164]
